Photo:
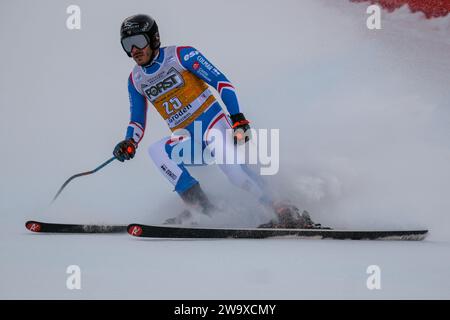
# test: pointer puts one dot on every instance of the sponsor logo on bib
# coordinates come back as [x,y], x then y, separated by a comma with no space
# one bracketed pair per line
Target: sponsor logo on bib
[172,80]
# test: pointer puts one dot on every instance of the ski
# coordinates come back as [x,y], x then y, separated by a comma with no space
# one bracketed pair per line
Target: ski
[157,231]
[44,227]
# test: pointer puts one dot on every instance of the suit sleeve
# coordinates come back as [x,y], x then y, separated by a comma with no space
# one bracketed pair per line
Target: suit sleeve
[194,61]
[138,113]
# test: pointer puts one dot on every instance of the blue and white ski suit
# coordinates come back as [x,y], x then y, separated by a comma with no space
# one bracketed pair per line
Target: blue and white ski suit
[176,84]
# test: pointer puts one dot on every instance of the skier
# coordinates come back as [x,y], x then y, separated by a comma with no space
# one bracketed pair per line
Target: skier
[175,80]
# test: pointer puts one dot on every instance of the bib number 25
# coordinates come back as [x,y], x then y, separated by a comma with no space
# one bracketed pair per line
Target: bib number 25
[172,105]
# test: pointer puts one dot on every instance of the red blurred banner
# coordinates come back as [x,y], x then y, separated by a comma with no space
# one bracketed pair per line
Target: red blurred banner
[431,8]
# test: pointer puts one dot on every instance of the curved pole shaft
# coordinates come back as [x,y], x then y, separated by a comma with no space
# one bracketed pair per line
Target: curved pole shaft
[82,174]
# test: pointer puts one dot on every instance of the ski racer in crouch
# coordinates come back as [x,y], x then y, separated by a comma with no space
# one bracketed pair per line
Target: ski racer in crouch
[175,80]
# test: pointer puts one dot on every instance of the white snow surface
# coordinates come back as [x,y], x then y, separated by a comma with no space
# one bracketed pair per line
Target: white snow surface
[364,128]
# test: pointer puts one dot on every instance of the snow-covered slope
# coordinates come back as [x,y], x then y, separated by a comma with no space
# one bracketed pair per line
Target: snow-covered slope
[364,128]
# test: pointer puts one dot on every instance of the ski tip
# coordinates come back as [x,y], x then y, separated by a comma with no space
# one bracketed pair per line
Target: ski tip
[33,226]
[134,230]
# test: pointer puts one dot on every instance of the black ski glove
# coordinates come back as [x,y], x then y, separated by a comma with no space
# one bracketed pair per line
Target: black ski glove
[240,127]
[125,150]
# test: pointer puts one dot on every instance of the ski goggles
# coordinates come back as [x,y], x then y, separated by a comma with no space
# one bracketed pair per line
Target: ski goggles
[139,41]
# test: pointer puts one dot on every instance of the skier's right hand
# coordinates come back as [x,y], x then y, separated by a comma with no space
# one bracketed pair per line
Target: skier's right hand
[125,150]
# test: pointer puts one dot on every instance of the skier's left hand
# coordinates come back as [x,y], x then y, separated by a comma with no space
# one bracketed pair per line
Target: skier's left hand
[240,127]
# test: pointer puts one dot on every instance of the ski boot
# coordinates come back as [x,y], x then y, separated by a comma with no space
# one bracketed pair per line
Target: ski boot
[289,217]
[195,198]
[179,219]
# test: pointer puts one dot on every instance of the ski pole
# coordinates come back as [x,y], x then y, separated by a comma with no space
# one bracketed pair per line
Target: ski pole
[82,174]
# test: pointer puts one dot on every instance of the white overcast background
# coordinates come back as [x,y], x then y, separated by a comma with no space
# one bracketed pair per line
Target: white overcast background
[363,118]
